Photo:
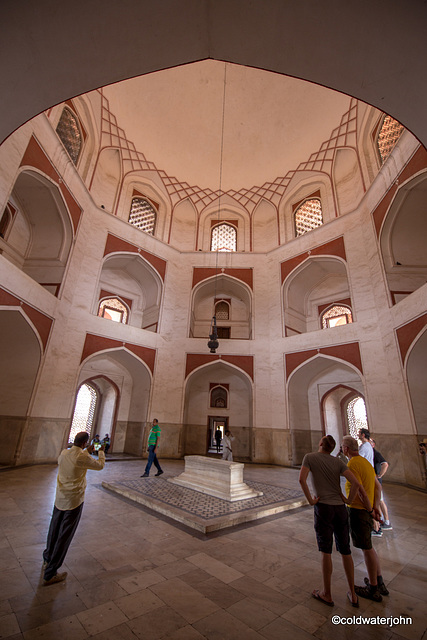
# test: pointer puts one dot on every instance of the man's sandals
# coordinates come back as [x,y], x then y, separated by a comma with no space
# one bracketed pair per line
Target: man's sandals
[316,595]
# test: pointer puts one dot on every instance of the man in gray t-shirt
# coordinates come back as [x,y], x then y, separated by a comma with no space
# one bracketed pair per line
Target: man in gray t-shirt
[330,513]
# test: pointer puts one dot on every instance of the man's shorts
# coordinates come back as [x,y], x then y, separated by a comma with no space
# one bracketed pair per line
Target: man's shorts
[332,520]
[361,528]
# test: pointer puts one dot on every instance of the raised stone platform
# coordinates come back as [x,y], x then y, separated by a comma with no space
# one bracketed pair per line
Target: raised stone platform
[218,478]
[203,512]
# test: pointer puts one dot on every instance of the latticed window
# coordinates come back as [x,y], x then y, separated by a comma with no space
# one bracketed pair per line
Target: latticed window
[224,238]
[222,311]
[356,416]
[143,215]
[389,134]
[84,411]
[219,398]
[113,309]
[70,134]
[5,221]
[336,316]
[308,216]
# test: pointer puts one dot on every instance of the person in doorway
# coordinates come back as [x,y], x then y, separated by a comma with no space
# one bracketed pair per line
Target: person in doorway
[381,466]
[330,513]
[96,443]
[70,493]
[153,446]
[362,510]
[366,450]
[227,450]
[106,442]
[218,438]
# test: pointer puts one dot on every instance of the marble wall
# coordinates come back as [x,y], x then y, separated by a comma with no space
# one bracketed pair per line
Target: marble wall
[274,419]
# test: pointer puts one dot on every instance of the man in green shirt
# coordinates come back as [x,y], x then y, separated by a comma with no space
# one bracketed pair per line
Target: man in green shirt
[153,445]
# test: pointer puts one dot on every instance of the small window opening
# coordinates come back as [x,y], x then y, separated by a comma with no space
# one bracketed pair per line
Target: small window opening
[389,133]
[143,215]
[224,238]
[308,216]
[356,416]
[70,133]
[336,316]
[219,398]
[222,310]
[5,221]
[113,309]
[84,411]
[224,333]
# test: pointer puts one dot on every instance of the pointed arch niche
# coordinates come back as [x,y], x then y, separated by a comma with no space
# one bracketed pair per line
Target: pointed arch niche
[123,385]
[211,292]
[106,179]
[95,409]
[317,283]
[41,234]
[335,403]
[416,372]
[131,278]
[402,239]
[307,386]
[197,410]
[184,225]
[20,360]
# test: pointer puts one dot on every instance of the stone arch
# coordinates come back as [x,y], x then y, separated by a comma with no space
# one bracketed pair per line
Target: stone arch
[137,185]
[237,294]
[130,276]
[108,402]
[333,404]
[106,179]
[196,409]
[306,387]
[84,108]
[265,230]
[41,235]
[231,213]
[207,31]
[402,239]
[305,185]
[416,375]
[369,121]
[348,180]
[184,226]
[21,352]
[128,376]
[316,282]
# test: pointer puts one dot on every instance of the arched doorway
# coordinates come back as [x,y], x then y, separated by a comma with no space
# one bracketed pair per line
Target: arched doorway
[343,413]
[308,384]
[200,418]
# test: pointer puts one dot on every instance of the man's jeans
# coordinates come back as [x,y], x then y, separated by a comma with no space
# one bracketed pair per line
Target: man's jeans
[152,458]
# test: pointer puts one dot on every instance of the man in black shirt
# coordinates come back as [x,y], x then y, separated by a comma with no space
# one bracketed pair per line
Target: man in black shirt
[381,466]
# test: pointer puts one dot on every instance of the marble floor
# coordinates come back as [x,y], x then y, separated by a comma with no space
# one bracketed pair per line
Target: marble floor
[134,574]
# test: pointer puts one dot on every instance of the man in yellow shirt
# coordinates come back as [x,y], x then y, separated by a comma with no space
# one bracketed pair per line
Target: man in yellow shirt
[70,493]
[362,510]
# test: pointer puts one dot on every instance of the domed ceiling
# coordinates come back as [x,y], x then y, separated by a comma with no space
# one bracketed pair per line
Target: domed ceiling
[262,126]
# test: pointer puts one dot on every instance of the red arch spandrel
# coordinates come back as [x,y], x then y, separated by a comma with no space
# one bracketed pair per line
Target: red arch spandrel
[201,273]
[42,322]
[348,352]
[416,164]
[334,248]
[114,244]
[195,360]
[408,332]
[34,156]
[94,344]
